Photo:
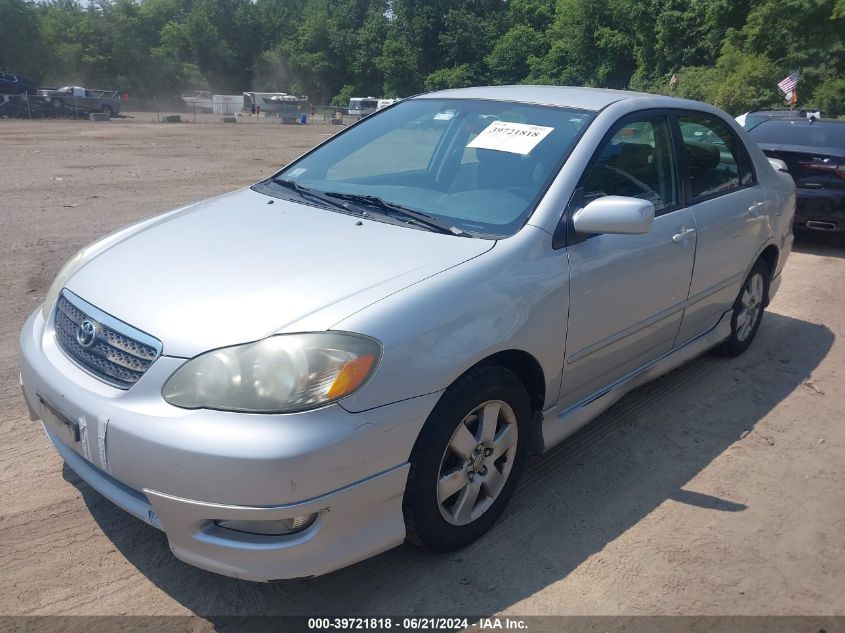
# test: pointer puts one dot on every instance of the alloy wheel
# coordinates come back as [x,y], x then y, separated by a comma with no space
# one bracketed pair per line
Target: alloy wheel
[750,305]
[477,462]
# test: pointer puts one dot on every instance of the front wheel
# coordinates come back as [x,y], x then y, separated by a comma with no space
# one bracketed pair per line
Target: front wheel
[747,311]
[467,460]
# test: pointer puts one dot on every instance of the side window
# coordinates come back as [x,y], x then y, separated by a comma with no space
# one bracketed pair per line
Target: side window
[716,160]
[637,161]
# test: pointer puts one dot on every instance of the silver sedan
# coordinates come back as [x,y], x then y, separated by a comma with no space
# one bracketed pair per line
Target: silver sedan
[363,348]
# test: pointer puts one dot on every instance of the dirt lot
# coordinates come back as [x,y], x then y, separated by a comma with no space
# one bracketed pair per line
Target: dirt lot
[719,489]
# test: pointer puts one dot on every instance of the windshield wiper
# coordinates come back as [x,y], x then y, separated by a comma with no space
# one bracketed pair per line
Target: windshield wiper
[306,192]
[398,211]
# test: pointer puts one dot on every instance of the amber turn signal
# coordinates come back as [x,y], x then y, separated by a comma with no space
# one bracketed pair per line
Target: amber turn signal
[351,375]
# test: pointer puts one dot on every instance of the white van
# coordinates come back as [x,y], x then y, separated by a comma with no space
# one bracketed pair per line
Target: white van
[362,106]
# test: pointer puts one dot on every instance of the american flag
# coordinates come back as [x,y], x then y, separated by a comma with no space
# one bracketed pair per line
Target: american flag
[787,84]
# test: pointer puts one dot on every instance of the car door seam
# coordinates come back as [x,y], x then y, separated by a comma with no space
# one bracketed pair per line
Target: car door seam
[630,330]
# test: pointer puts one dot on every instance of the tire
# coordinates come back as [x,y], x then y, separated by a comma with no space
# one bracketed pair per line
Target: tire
[453,496]
[107,110]
[749,304]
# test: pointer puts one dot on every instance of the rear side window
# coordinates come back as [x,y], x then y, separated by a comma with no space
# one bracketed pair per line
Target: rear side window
[637,161]
[716,159]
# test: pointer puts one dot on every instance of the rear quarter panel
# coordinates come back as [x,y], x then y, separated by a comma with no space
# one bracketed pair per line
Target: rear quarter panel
[778,190]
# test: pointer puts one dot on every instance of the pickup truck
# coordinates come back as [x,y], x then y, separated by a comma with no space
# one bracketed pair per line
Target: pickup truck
[77,97]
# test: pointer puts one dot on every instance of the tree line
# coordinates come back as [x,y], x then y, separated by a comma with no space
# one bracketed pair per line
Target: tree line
[728,52]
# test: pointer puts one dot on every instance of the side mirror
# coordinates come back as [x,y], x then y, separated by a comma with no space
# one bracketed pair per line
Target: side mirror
[615,214]
[778,165]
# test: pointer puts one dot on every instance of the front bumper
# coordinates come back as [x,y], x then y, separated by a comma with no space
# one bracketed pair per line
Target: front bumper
[181,471]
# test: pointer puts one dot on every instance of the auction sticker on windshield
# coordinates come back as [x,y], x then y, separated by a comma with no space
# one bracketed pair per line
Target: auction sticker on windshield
[516,138]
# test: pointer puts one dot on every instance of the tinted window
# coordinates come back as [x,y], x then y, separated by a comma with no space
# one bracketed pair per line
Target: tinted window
[716,160]
[637,161]
[818,134]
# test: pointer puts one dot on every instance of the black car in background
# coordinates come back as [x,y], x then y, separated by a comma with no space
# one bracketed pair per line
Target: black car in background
[752,119]
[11,84]
[814,153]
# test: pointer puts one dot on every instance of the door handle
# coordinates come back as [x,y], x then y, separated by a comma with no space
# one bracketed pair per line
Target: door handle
[756,208]
[684,235]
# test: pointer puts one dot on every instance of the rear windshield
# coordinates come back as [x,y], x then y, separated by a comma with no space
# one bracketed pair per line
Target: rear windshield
[818,134]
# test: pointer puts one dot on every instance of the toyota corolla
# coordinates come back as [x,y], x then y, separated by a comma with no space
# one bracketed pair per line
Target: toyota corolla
[363,348]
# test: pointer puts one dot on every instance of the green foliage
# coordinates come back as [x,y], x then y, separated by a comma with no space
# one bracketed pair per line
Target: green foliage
[727,52]
[342,98]
[458,77]
[271,72]
[830,97]
[20,47]
[514,53]
[399,67]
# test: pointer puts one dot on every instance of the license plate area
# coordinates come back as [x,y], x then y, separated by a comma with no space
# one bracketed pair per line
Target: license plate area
[68,430]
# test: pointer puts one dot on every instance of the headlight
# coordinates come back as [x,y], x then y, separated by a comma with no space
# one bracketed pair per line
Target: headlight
[278,374]
[84,255]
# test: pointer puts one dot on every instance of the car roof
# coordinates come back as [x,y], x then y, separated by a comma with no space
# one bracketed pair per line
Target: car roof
[561,96]
[776,113]
[797,121]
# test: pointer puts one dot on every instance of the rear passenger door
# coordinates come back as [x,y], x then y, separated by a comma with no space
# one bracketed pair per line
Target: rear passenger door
[727,204]
[627,292]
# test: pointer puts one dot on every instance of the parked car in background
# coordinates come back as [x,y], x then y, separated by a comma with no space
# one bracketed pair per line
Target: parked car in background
[107,101]
[814,153]
[12,84]
[363,348]
[751,119]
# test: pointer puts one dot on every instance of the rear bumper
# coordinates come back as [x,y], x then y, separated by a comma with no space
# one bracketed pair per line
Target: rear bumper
[820,210]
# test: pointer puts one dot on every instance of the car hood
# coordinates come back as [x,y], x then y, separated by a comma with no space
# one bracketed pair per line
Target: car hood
[241,266]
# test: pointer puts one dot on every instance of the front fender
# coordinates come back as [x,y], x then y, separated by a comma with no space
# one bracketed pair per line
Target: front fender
[515,296]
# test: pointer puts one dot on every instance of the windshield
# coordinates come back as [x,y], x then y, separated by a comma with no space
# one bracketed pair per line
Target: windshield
[479,166]
[800,133]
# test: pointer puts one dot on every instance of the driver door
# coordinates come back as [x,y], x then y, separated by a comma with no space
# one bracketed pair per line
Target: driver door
[627,292]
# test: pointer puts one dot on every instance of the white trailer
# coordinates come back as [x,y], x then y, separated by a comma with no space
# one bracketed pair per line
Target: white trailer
[227,105]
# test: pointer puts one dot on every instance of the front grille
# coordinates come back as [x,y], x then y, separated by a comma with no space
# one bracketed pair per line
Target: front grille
[116,355]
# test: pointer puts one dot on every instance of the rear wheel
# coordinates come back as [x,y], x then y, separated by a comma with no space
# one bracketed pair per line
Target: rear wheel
[747,311]
[467,460]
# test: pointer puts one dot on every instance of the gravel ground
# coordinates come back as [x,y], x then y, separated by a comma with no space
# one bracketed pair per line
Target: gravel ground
[718,489]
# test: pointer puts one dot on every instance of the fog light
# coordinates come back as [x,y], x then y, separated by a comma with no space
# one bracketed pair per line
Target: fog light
[274,527]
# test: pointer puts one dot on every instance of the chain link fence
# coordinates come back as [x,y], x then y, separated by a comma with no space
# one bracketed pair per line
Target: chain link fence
[169,109]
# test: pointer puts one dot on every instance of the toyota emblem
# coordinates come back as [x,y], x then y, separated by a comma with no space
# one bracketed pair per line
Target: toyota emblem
[87,332]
